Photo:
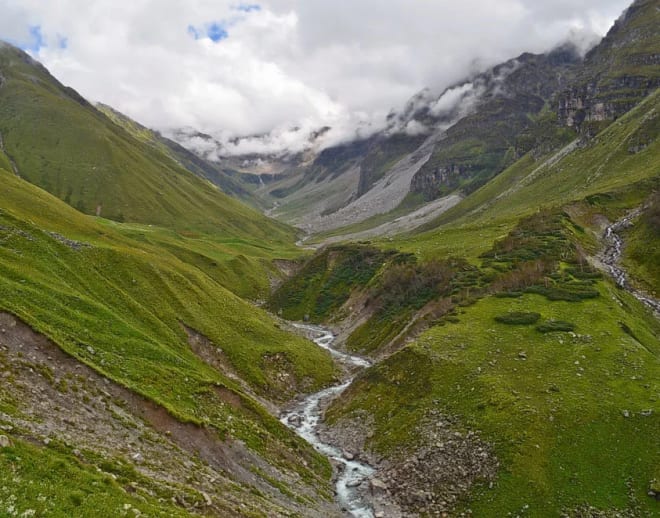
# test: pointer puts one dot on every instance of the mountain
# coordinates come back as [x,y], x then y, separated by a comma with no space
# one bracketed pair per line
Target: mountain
[617,73]
[501,359]
[454,142]
[45,131]
[506,358]
[436,145]
[201,167]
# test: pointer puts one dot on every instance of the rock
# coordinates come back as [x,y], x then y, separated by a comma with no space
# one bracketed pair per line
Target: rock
[4,441]
[137,458]
[522,355]
[348,455]
[625,413]
[295,420]
[354,483]
[207,498]
[377,486]
[646,413]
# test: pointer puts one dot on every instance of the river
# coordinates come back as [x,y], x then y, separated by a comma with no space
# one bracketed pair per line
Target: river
[305,418]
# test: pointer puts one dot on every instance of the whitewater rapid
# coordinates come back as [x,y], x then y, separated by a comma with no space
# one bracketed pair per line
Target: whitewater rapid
[305,418]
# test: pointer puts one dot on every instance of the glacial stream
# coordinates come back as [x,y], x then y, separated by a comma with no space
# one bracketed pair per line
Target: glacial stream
[612,260]
[305,419]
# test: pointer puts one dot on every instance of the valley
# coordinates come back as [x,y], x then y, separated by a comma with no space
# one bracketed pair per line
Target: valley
[460,320]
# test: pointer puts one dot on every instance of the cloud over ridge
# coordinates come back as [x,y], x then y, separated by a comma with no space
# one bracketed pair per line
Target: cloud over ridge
[277,71]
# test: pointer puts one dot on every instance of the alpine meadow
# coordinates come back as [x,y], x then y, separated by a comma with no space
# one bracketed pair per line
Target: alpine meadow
[450,309]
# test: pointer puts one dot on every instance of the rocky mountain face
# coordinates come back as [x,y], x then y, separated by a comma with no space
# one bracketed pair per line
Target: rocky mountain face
[618,73]
[512,100]
[456,141]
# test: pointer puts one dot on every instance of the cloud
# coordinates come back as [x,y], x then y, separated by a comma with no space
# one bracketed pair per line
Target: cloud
[451,98]
[274,72]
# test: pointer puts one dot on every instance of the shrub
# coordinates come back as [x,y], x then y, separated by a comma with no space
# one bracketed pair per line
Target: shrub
[585,273]
[509,294]
[518,318]
[555,325]
[552,293]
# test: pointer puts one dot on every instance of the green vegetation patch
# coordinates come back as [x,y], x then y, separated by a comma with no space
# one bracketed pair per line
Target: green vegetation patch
[326,281]
[549,414]
[518,318]
[552,326]
[118,303]
[40,481]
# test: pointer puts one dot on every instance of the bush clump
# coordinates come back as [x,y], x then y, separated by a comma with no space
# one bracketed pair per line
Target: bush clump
[518,318]
[568,295]
[509,294]
[555,325]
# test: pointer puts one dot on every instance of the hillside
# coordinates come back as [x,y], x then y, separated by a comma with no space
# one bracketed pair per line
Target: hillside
[507,362]
[508,359]
[138,339]
[201,167]
[475,330]
[61,143]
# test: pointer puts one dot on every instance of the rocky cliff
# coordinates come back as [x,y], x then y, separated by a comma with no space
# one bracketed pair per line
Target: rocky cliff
[619,72]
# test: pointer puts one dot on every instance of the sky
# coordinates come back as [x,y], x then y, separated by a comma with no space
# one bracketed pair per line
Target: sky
[277,70]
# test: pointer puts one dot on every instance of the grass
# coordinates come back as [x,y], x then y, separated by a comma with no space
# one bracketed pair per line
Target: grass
[43,482]
[549,416]
[70,149]
[642,252]
[117,304]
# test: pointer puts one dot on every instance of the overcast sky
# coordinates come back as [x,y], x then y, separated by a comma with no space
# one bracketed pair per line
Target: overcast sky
[233,69]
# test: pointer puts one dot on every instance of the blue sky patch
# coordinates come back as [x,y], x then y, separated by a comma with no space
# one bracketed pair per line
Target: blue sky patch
[194,32]
[35,40]
[217,32]
[248,8]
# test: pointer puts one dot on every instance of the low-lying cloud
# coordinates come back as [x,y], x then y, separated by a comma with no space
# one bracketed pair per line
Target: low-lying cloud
[264,77]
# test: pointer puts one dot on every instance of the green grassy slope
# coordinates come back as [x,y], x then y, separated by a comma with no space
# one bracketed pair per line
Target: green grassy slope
[117,303]
[61,143]
[624,154]
[642,253]
[555,419]
[184,157]
[572,415]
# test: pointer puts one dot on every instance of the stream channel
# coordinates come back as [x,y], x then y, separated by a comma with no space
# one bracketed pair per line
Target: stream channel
[612,260]
[305,418]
